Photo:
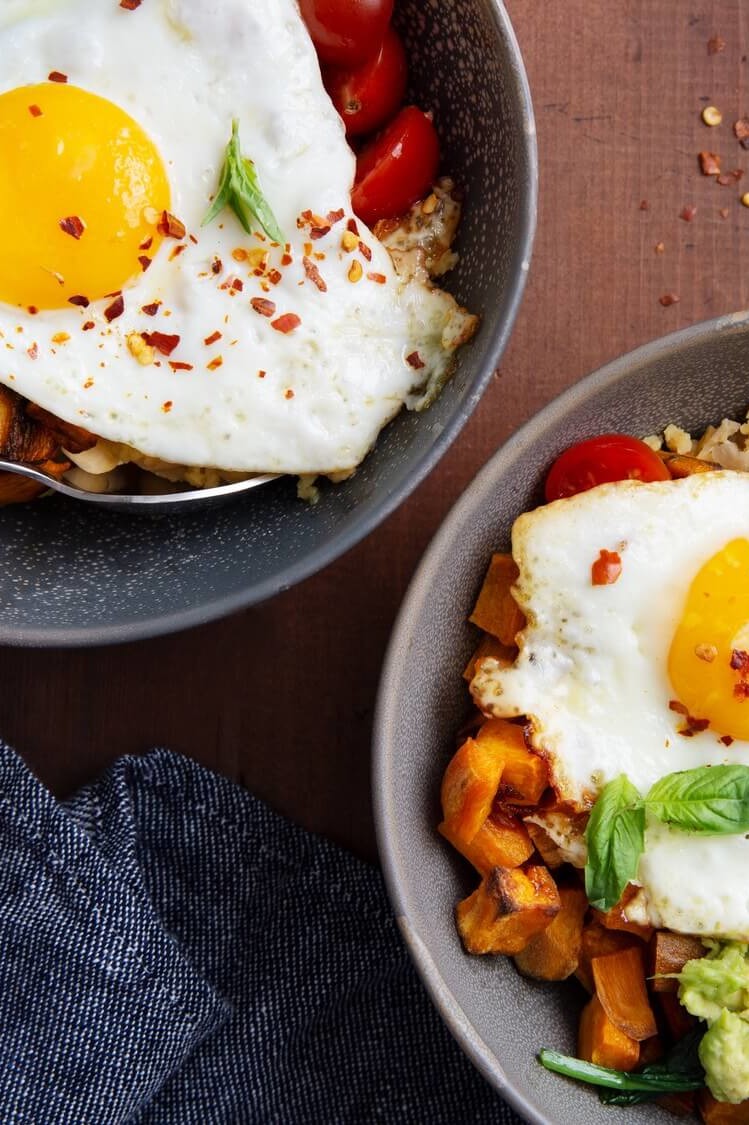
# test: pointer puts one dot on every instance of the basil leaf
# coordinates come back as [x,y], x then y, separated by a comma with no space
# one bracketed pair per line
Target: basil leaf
[239,188]
[647,1085]
[710,800]
[615,838]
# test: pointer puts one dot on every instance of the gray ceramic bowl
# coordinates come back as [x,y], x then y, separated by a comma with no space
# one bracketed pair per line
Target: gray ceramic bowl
[693,378]
[70,575]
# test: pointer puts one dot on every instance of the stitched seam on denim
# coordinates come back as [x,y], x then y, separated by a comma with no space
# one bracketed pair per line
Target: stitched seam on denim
[52,859]
[210,814]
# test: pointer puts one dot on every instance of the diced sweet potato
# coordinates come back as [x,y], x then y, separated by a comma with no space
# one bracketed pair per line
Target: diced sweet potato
[617,919]
[469,787]
[501,841]
[553,954]
[619,980]
[21,438]
[714,1112]
[73,438]
[601,1042]
[490,646]
[507,910]
[651,1050]
[597,942]
[525,775]
[676,1019]
[20,490]
[669,953]
[496,610]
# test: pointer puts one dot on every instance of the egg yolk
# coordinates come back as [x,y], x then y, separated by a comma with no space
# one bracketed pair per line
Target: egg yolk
[709,658]
[81,193]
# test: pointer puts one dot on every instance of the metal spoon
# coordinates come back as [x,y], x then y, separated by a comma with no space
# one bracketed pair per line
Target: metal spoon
[134,503]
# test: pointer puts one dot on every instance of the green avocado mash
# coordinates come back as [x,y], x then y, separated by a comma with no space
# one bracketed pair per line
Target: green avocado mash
[716,988]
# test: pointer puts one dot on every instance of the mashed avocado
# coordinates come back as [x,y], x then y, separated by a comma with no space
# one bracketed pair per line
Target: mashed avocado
[716,988]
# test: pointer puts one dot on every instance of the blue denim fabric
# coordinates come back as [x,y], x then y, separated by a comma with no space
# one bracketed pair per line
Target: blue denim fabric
[174,952]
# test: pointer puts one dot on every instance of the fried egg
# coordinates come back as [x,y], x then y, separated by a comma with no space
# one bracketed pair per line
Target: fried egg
[645,675]
[120,312]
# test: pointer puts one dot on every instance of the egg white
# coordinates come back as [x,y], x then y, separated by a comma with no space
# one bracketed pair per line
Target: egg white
[183,69]
[592,671]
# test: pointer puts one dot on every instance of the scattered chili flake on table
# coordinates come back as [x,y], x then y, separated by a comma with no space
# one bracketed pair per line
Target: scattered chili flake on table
[723,212]
[709,163]
[687,213]
[669,299]
[741,131]
[659,247]
[644,205]
[715,45]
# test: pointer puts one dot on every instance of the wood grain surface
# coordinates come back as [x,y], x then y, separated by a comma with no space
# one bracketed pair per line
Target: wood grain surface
[281,697]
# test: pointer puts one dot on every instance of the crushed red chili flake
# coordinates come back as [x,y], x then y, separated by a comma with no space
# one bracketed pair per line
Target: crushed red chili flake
[286,323]
[146,244]
[727,178]
[79,300]
[606,569]
[35,111]
[709,163]
[687,213]
[33,310]
[151,310]
[216,266]
[669,299]
[319,232]
[57,76]
[215,363]
[161,341]
[414,360]
[351,225]
[715,45]
[261,374]
[739,660]
[130,5]
[313,275]
[116,309]
[286,260]
[177,366]
[726,739]
[289,393]
[335,216]
[644,205]
[741,131]
[741,690]
[659,247]
[73,226]
[33,351]
[274,277]
[365,251]
[170,226]
[723,212]
[263,306]
[212,339]
[88,326]
[145,262]
[378,278]
[177,251]
[167,406]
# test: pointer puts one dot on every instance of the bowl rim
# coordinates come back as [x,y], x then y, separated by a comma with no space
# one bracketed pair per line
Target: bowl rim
[366,521]
[417,594]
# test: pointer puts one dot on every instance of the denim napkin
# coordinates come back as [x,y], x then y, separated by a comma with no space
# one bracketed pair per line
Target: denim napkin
[175,952]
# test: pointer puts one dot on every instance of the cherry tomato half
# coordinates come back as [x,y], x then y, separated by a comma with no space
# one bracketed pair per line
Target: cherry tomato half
[397,167]
[367,96]
[346,32]
[600,460]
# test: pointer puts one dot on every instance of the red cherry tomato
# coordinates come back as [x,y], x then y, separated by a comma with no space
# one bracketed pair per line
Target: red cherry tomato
[602,459]
[397,167]
[367,96]
[346,32]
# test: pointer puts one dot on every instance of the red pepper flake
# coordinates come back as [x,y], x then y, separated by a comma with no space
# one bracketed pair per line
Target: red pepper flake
[35,111]
[72,226]
[167,406]
[659,247]
[177,251]
[130,5]
[57,76]
[379,278]
[32,352]
[88,384]
[741,131]
[274,277]
[33,310]
[726,739]
[644,205]
[739,660]
[170,226]
[79,300]
[687,213]
[151,310]
[212,339]
[237,284]
[177,366]
[715,45]
[88,326]
[116,309]
[216,266]
[261,374]
[335,216]
[286,323]
[194,240]
[692,725]
[313,275]
[145,262]
[669,299]
[215,363]
[606,569]
[709,163]
[263,306]
[289,393]
[414,360]
[741,690]
[723,212]
[365,251]
[146,244]
[319,232]
[351,226]
[161,341]
[286,260]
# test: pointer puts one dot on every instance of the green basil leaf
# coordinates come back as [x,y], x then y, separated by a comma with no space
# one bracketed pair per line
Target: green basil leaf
[615,838]
[239,188]
[710,800]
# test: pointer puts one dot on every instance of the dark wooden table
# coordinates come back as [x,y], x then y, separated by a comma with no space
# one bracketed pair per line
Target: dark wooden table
[281,697]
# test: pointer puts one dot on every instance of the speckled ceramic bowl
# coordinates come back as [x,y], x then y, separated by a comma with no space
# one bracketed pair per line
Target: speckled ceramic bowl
[70,575]
[501,1020]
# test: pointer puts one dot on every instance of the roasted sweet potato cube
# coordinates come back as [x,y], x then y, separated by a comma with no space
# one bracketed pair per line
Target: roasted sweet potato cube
[669,954]
[601,1042]
[501,841]
[714,1112]
[496,610]
[469,787]
[617,918]
[596,942]
[489,646]
[507,910]
[676,1019]
[73,438]
[553,954]
[21,438]
[651,1050]
[619,980]
[525,775]
[20,490]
